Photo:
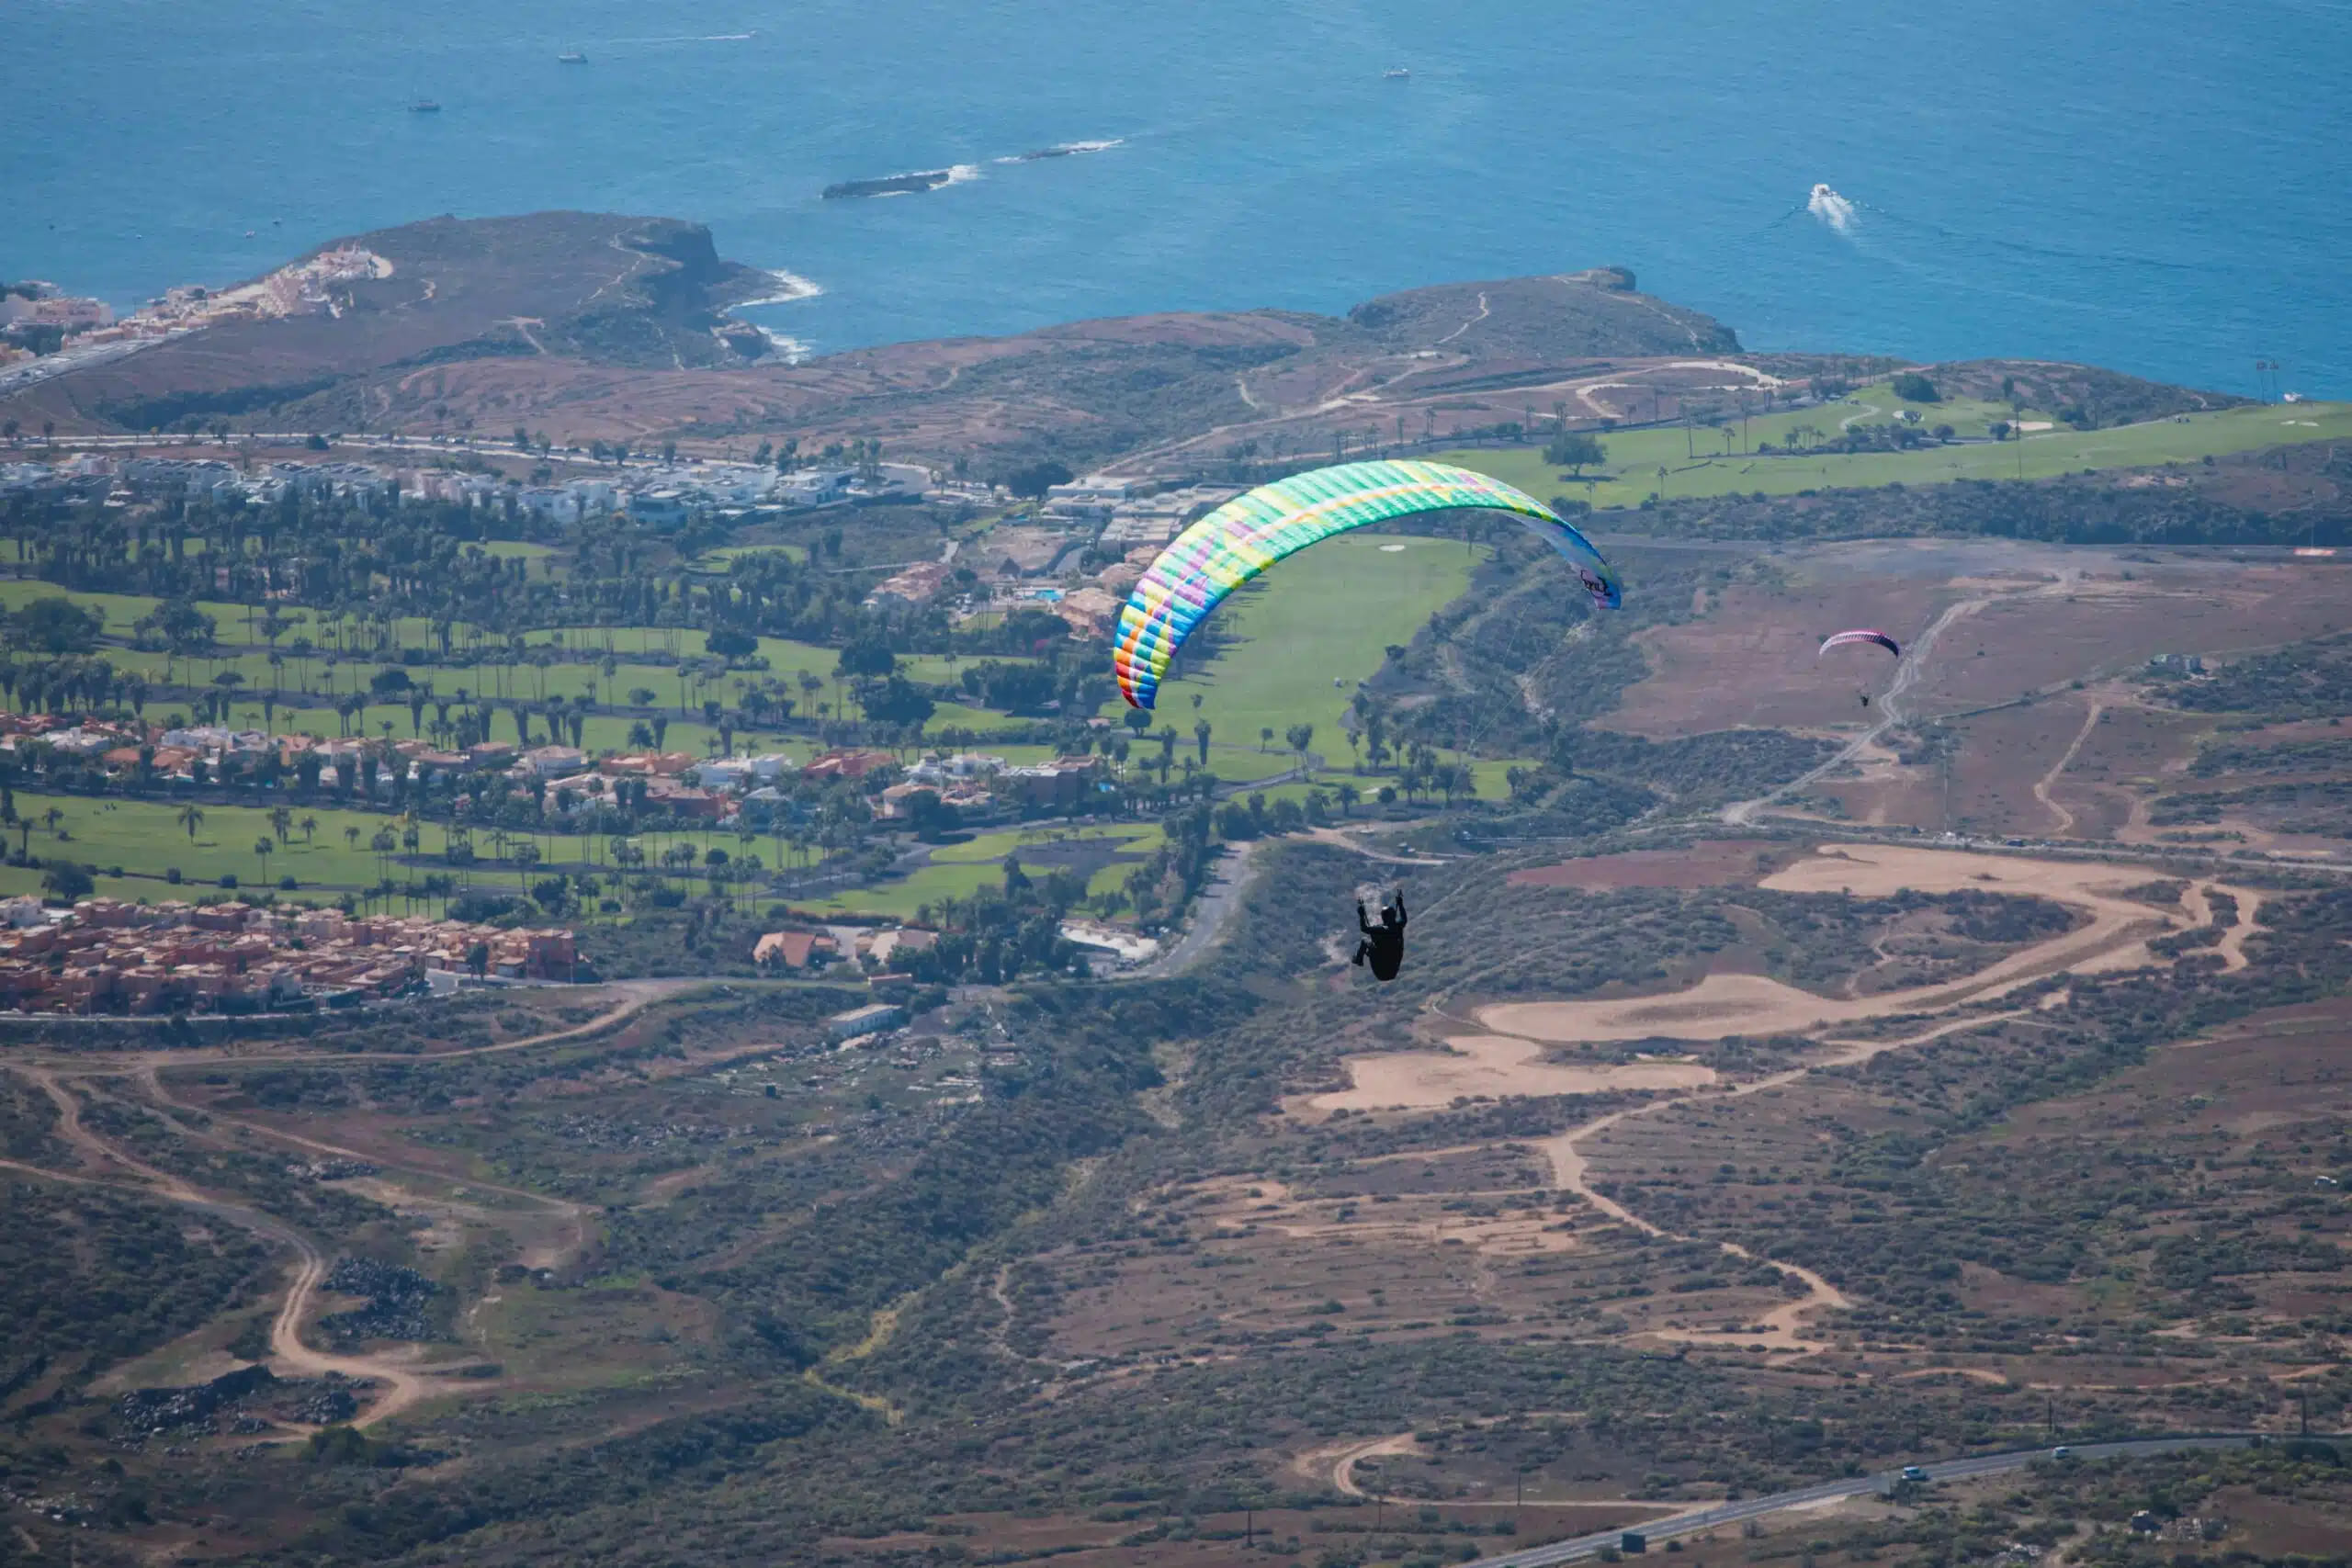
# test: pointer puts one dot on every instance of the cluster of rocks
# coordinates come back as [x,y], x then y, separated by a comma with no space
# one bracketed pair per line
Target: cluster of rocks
[147,1411]
[398,1300]
[325,1405]
[330,1170]
[612,1132]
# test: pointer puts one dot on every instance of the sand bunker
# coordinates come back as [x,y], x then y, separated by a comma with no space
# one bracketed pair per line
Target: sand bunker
[1490,1065]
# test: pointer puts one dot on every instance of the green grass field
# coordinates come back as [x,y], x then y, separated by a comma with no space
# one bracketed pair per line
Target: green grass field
[725,555]
[1634,457]
[145,840]
[1303,635]
[958,871]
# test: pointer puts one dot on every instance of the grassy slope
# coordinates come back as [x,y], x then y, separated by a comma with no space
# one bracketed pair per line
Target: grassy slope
[143,838]
[958,871]
[1635,455]
[1324,616]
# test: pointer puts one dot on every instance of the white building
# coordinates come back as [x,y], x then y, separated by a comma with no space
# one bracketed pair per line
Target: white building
[1155,519]
[546,500]
[1090,500]
[962,766]
[1114,942]
[596,496]
[816,487]
[736,772]
[736,484]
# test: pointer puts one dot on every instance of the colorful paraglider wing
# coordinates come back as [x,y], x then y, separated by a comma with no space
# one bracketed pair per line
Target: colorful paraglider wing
[1251,532]
[1844,639]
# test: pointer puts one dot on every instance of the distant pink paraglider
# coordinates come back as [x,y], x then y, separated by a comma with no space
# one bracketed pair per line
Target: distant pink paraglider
[1843,639]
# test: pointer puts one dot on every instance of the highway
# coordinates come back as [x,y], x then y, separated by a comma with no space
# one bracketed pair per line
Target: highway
[1658,1530]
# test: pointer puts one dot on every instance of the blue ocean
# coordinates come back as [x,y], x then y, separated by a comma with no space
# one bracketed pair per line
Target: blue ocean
[2160,186]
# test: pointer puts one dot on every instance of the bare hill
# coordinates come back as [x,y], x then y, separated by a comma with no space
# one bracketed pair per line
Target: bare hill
[1593,314]
[590,326]
[602,288]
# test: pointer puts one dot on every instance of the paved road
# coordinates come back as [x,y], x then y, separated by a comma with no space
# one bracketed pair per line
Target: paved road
[1658,1530]
[1216,906]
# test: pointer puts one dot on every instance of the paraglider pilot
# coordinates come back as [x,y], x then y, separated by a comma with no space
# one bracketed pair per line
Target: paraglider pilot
[1382,943]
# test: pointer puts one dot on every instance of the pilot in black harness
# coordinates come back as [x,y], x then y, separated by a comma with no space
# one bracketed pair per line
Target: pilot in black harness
[1382,943]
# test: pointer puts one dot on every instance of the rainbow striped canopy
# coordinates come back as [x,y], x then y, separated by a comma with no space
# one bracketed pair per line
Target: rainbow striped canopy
[1251,532]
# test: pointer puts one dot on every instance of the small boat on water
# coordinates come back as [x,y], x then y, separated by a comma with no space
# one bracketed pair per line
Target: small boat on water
[572,57]
[425,106]
[1396,73]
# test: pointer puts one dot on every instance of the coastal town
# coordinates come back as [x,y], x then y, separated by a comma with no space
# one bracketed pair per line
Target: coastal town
[1118,524]
[652,488]
[108,955]
[714,790]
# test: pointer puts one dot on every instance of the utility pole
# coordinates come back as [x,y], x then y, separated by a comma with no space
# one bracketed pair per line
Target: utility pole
[2052,1415]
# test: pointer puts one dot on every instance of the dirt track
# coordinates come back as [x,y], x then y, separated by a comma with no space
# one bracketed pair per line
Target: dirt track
[1494,1064]
[1725,1005]
[636,997]
[402,1385]
[400,1382]
[2114,936]
[1779,1324]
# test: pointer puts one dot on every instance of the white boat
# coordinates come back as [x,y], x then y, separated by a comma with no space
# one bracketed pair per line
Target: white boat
[1396,73]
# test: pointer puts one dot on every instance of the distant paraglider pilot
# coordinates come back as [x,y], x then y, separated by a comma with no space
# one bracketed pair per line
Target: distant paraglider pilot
[1382,943]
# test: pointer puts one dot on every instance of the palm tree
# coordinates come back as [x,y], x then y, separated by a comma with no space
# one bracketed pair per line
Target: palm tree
[265,848]
[1266,738]
[281,821]
[190,817]
[351,838]
[309,825]
[1300,736]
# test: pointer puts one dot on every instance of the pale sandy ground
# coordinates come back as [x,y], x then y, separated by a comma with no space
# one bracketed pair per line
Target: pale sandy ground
[2115,937]
[1724,1005]
[1489,1064]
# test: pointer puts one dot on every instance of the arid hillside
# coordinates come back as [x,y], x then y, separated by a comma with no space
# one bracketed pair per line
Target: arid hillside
[595,326]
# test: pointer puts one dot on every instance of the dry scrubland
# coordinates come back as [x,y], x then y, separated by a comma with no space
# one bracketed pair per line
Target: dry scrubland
[1412,1250]
[1728,1159]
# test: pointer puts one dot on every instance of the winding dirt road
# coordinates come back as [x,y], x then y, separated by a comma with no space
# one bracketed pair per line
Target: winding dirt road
[2047,782]
[2115,936]
[1570,1172]
[403,1386]
[1739,813]
[400,1384]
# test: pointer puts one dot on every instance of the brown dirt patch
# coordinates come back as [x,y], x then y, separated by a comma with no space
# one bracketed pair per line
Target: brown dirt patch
[2003,755]
[1490,1065]
[1711,863]
[1723,1004]
[2109,625]
[1260,1262]
[1752,660]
